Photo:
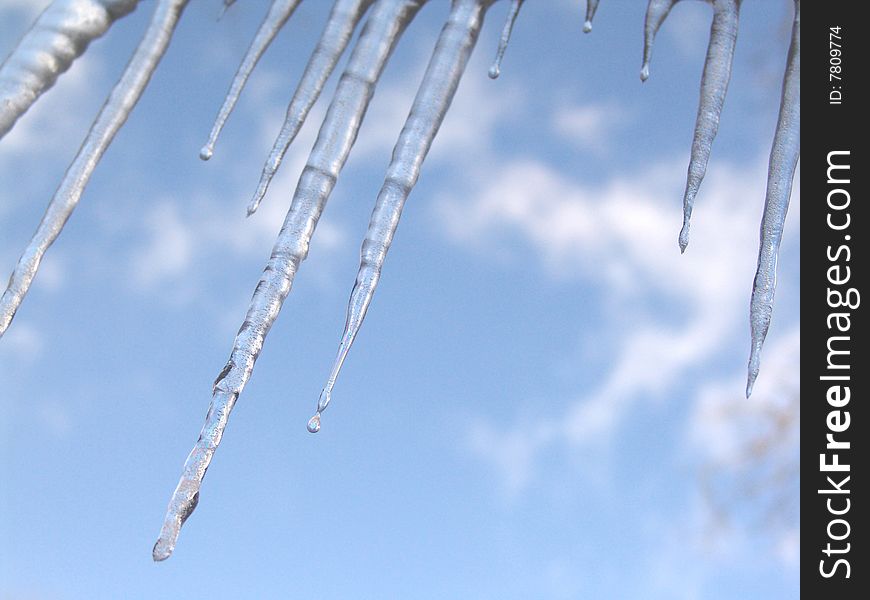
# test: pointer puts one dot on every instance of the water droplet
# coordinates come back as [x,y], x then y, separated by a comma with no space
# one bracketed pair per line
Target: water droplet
[206,152]
[314,423]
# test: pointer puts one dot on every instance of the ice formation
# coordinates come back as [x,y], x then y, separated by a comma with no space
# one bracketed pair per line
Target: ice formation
[279,12]
[382,30]
[112,116]
[591,7]
[439,84]
[784,156]
[495,69]
[59,36]
[67,26]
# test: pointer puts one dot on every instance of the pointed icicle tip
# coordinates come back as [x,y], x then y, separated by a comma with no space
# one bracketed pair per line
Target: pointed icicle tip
[750,382]
[644,72]
[279,12]
[684,237]
[495,69]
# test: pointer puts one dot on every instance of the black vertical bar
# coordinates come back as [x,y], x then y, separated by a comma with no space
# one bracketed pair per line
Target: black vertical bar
[834,368]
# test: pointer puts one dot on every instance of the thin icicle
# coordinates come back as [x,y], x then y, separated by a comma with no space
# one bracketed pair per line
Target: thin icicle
[434,96]
[388,20]
[113,114]
[279,12]
[495,69]
[656,13]
[784,156]
[591,7]
[339,28]
[59,36]
[714,87]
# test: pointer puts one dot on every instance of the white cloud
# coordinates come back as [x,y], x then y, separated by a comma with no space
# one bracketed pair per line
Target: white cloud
[589,126]
[621,235]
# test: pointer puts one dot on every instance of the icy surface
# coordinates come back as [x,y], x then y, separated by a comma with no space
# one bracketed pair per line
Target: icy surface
[382,30]
[64,30]
[59,36]
[784,156]
[279,12]
[495,69]
[591,7]
[433,99]
[656,12]
[339,28]
[112,116]
[714,87]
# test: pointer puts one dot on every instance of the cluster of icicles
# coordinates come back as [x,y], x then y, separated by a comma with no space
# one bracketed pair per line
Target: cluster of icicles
[65,28]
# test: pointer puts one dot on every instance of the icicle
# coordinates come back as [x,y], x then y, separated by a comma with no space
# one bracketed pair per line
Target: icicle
[784,156]
[495,69]
[591,7]
[279,12]
[434,96]
[112,116]
[656,13]
[337,135]
[339,28]
[714,87]
[59,36]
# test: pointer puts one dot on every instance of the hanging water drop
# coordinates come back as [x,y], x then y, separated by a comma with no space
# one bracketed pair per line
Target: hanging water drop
[436,91]
[591,7]
[495,69]
[279,12]
[656,12]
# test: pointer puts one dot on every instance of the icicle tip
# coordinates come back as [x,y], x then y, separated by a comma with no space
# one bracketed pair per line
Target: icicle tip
[494,72]
[644,72]
[587,26]
[314,423]
[206,152]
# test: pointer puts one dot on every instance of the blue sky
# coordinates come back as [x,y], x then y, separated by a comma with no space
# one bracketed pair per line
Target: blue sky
[543,395]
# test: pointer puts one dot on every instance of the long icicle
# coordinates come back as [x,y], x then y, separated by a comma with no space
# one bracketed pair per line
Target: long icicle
[714,87]
[112,116]
[336,35]
[385,25]
[59,36]
[591,7]
[784,156]
[433,99]
[279,12]
[656,13]
[495,69]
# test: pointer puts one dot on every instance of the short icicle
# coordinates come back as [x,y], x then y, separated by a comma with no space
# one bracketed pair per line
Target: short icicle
[714,87]
[656,13]
[591,7]
[279,12]
[59,36]
[784,156]
[454,46]
[337,134]
[495,69]
[112,116]
[336,35]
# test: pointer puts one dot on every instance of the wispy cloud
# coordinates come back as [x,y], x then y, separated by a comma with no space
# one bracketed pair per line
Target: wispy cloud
[669,315]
